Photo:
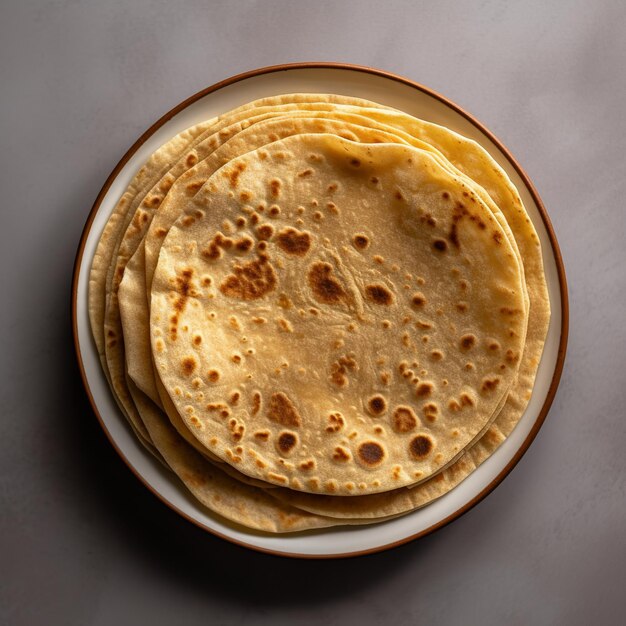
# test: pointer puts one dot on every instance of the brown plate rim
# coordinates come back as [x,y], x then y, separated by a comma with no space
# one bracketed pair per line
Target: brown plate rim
[542,211]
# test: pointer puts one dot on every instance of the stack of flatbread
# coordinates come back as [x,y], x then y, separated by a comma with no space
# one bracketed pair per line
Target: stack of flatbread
[318,310]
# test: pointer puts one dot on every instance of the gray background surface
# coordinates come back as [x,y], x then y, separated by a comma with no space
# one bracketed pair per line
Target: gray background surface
[81,541]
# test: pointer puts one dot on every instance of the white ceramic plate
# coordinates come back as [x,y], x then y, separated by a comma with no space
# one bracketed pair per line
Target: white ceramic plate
[389,90]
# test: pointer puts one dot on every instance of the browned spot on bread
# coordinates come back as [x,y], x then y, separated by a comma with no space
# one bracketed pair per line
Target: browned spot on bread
[423,390]
[188,365]
[339,369]
[193,188]
[445,195]
[275,186]
[234,173]
[454,405]
[494,346]
[184,288]
[160,232]
[379,294]
[197,340]
[377,405]
[420,446]
[384,378]
[234,398]
[250,281]
[341,454]
[285,325]
[237,429]
[436,355]
[404,419]
[274,210]
[427,218]
[214,407]
[332,187]
[282,411]
[508,311]
[307,465]
[398,195]
[173,327]
[374,180]
[497,237]
[440,245]
[166,185]
[355,162]
[371,453]
[466,400]
[191,159]
[511,357]
[418,299]
[244,244]
[193,478]
[360,241]
[480,223]
[213,250]
[286,442]
[277,478]
[453,236]
[430,411]
[326,288]
[264,231]
[305,173]
[335,422]
[213,376]
[256,403]
[467,342]
[223,241]
[262,435]
[489,384]
[294,242]
[240,221]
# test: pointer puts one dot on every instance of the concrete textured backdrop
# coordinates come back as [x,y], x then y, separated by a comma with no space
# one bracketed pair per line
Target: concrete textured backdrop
[82,542]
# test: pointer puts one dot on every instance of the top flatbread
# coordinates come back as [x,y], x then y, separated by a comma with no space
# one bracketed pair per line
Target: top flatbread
[381,250]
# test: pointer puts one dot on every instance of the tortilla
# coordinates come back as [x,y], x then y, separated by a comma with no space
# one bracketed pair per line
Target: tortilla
[357,240]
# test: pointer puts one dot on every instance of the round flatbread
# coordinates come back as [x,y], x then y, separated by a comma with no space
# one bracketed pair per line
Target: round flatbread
[396,263]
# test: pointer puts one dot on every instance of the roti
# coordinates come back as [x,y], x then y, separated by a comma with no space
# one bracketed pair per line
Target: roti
[356,240]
